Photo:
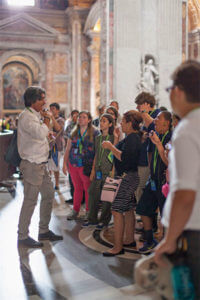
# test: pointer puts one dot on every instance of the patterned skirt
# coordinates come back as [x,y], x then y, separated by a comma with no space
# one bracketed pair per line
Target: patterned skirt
[125,198]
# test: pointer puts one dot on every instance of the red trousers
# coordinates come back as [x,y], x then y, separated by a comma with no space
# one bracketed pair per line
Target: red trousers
[81,183]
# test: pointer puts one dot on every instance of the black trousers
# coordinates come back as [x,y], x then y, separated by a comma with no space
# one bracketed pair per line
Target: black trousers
[193,257]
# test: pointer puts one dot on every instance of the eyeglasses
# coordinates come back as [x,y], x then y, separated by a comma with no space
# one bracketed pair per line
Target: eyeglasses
[170,88]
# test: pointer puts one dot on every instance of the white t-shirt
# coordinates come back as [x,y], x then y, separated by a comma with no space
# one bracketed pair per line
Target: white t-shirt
[184,166]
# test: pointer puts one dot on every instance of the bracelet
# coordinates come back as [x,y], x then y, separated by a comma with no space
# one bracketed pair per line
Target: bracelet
[45,117]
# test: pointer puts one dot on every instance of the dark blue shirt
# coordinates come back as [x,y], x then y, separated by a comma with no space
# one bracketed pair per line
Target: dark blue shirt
[146,146]
[159,175]
[130,147]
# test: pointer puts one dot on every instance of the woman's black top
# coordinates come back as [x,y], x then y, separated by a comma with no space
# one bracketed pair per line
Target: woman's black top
[130,147]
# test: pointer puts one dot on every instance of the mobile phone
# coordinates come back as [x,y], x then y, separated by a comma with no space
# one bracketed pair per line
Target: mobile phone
[150,133]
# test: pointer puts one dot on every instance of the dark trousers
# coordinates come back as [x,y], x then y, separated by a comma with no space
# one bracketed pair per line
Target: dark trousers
[71,186]
[94,192]
[193,257]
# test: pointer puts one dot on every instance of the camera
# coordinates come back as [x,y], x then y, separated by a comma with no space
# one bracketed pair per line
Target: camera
[151,133]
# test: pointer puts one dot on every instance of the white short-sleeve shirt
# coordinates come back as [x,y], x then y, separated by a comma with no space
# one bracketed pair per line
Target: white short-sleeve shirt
[184,166]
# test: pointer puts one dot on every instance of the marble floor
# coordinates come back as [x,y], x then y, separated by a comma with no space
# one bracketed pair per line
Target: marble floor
[70,269]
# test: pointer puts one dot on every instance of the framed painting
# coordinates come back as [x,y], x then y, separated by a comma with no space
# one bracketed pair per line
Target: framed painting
[16,78]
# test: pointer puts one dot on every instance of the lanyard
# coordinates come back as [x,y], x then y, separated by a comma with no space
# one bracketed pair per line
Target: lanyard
[101,152]
[40,119]
[155,159]
[80,140]
[29,109]
[151,112]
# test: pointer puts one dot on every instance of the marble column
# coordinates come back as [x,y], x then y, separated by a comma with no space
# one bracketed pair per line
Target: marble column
[48,85]
[169,28]
[75,29]
[104,50]
[184,30]
[76,63]
[94,50]
[144,28]
[127,51]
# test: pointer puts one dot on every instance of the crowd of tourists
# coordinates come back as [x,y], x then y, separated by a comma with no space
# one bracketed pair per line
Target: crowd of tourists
[134,149]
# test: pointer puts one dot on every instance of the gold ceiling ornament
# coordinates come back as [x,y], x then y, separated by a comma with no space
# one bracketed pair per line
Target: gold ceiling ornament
[193,14]
[81,3]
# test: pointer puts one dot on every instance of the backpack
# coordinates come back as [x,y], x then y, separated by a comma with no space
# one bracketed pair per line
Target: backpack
[12,155]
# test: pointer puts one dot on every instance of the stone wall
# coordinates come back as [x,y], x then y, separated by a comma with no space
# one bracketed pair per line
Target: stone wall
[39,40]
[145,28]
[45,38]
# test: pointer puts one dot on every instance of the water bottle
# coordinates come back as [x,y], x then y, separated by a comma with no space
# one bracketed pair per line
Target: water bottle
[181,274]
[182,282]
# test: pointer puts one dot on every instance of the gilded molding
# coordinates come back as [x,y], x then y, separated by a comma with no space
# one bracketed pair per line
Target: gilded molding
[193,15]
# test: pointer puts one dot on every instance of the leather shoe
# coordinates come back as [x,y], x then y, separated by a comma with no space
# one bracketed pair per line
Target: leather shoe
[50,236]
[69,201]
[29,243]
[109,254]
[133,244]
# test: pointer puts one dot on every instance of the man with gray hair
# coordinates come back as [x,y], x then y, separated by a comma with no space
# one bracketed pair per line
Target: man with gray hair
[33,147]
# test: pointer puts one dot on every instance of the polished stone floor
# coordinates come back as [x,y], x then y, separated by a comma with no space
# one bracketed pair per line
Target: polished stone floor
[70,269]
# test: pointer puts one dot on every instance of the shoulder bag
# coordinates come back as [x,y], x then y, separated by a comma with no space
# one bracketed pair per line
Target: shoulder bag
[110,189]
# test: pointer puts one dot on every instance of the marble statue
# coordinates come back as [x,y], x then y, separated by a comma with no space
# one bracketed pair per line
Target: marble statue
[149,77]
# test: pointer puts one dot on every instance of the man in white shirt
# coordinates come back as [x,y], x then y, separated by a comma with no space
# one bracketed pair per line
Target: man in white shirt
[181,215]
[33,148]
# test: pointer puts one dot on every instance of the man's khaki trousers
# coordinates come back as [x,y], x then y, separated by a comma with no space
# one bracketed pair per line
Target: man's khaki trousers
[36,180]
